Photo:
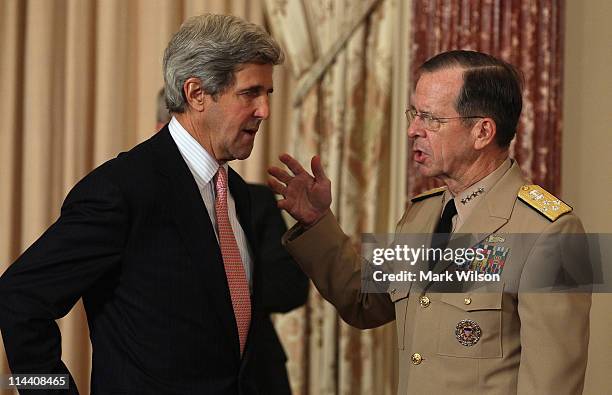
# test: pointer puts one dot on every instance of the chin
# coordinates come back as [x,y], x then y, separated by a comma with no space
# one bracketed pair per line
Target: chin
[425,171]
[243,154]
[421,169]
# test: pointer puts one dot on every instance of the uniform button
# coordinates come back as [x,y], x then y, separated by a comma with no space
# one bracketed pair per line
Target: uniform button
[416,358]
[424,301]
[467,301]
[393,291]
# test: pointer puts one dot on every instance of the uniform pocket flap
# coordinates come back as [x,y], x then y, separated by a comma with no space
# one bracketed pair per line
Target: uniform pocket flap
[473,301]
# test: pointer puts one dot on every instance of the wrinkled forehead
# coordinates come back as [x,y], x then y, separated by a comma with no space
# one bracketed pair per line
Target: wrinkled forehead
[254,74]
[437,90]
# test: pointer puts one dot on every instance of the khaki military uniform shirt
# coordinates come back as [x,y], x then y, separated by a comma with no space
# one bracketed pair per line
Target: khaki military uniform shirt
[529,342]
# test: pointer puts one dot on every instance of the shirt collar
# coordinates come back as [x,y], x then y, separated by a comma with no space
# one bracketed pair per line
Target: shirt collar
[201,163]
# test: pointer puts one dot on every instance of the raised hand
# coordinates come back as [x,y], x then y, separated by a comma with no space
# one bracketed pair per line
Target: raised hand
[306,198]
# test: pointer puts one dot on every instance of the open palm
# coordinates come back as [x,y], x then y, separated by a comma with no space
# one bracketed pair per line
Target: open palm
[307,198]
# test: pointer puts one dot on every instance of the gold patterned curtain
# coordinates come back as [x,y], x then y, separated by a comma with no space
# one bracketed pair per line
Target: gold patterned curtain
[79,83]
[528,34]
[349,59]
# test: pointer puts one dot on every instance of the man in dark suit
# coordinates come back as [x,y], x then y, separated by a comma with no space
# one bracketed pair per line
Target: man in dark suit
[159,241]
[284,285]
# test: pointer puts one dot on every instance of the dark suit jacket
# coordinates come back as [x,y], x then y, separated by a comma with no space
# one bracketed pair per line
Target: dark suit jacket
[135,241]
[284,287]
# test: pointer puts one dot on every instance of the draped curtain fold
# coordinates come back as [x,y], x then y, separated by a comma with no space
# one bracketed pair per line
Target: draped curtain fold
[528,34]
[345,56]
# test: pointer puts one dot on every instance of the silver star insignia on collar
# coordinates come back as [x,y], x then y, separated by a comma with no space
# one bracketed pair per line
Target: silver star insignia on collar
[472,195]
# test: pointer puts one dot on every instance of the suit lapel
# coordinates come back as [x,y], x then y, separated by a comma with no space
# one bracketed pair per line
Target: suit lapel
[418,228]
[196,229]
[496,207]
[240,193]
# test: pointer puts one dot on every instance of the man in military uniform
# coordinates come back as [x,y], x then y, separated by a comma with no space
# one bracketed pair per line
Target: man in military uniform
[464,113]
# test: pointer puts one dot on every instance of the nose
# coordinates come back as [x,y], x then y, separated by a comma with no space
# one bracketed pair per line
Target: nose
[415,128]
[262,109]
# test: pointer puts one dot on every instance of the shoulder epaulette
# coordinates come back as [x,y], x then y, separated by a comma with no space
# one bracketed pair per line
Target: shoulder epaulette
[426,194]
[543,201]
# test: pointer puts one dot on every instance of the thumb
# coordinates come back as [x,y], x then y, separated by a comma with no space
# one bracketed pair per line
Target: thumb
[317,168]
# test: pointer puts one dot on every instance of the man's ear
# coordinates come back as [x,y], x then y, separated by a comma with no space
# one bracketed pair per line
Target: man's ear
[194,94]
[484,132]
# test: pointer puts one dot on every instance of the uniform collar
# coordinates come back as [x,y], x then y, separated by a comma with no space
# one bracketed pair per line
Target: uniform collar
[467,200]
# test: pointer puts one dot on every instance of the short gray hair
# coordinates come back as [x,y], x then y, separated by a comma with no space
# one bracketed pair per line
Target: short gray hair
[212,48]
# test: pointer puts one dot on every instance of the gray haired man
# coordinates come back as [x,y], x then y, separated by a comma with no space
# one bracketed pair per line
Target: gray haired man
[158,241]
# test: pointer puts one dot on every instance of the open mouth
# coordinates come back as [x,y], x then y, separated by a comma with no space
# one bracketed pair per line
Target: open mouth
[251,130]
[418,156]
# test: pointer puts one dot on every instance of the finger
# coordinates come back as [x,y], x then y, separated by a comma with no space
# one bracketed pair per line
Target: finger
[279,173]
[317,168]
[277,187]
[292,164]
[283,204]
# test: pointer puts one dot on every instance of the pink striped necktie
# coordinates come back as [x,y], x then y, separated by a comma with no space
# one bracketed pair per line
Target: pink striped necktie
[234,269]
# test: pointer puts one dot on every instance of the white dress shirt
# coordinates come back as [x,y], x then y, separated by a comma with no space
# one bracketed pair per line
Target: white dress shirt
[203,168]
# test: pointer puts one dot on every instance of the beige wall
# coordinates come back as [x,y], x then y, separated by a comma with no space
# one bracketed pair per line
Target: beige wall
[587,154]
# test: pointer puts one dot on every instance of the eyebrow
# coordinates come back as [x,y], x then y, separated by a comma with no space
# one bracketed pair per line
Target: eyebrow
[412,107]
[256,88]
